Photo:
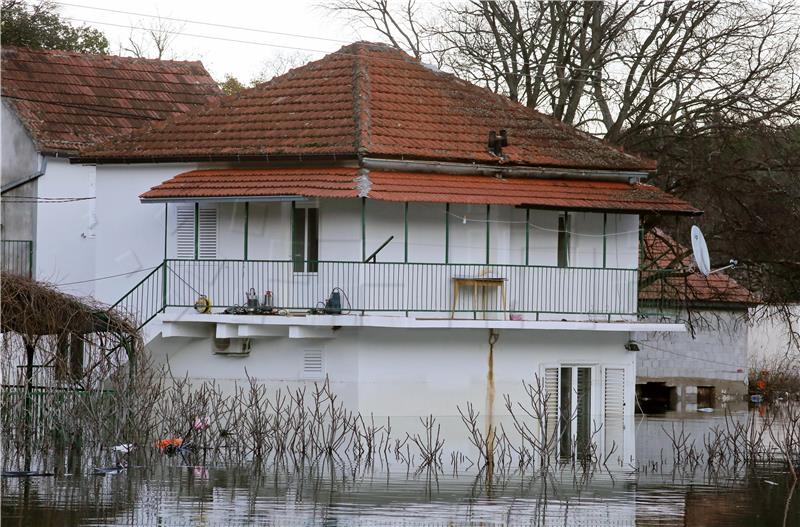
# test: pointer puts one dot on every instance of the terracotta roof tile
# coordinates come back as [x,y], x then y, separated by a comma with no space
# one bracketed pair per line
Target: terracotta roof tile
[307,182]
[420,187]
[68,100]
[542,193]
[375,100]
[660,251]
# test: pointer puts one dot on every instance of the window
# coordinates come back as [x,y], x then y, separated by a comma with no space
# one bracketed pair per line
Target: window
[203,245]
[569,407]
[563,239]
[305,239]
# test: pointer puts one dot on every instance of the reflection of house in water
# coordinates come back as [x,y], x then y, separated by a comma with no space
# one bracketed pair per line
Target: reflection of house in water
[697,367]
[419,240]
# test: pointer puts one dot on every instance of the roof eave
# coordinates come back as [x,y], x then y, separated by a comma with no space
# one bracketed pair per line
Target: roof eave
[142,160]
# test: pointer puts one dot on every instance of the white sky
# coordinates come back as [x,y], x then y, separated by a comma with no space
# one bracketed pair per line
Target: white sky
[243,60]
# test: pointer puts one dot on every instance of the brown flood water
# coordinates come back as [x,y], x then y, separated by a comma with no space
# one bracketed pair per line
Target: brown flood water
[335,493]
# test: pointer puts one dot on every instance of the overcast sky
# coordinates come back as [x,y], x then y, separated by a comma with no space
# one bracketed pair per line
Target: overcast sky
[319,31]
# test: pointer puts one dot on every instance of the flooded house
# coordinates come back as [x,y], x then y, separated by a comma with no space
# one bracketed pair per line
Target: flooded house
[708,363]
[54,103]
[417,240]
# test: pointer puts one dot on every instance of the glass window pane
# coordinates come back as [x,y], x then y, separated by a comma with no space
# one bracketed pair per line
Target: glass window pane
[312,242]
[565,409]
[563,240]
[584,416]
[298,239]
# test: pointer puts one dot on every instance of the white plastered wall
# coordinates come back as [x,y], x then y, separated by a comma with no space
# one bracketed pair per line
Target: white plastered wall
[66,231]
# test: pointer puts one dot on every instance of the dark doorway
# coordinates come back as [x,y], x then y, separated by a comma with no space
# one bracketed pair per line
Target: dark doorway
[706,395]
[655,398]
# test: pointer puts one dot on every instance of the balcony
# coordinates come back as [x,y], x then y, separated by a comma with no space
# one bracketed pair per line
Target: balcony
[421,290]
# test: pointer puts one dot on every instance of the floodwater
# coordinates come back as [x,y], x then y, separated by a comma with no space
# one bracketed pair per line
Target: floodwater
[391,493]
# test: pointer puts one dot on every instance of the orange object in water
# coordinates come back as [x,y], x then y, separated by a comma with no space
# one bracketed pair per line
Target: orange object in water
[173,442]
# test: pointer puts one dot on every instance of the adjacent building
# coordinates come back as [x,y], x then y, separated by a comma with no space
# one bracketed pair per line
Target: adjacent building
[54,103]
[709,362]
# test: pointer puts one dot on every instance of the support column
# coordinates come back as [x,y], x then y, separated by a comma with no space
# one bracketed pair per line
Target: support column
[527,236]
[363,228]
[488,211]
[405,232]
[446,233]
[605,234]
[166,229]
[196,230]
[246,226]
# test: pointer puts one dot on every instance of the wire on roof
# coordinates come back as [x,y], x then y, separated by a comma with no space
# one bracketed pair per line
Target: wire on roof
[84,107]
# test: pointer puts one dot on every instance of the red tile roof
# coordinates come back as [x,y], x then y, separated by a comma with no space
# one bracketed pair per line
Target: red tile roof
[660,251]
[69,100]
[420,187]
[542,193]
[368,99]
[307,182]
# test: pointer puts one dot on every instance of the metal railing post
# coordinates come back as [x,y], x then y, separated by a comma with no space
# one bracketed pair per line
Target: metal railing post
[163,286]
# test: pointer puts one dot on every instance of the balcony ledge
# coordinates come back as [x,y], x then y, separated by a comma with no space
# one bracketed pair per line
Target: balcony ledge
[319,326]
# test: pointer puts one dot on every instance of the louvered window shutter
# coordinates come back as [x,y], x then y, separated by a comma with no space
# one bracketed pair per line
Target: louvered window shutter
[185,231]
[207,232]
[551,403]
[614,406]
[615,392]
[207,240]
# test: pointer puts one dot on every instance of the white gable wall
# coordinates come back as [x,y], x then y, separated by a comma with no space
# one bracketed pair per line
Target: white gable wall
[129,234]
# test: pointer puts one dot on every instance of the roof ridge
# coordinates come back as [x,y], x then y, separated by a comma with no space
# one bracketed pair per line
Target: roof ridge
[91,56]
[361,101]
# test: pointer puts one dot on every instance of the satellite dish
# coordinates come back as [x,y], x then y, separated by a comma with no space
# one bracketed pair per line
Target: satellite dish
[701,258]
[700,250]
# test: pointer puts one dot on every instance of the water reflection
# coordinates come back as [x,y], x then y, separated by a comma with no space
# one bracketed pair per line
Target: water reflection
[338,493]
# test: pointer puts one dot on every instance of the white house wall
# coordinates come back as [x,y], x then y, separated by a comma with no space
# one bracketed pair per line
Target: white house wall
[769,336]
[130,235]
[401,372]
[66,232]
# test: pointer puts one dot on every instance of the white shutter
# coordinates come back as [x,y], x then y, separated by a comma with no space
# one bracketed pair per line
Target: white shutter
[614,407]
[207,232]
[207,239]
[551,403]
[313,364]
[185,232]
[614,392]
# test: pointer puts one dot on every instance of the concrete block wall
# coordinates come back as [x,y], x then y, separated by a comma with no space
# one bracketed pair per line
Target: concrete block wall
[717,352]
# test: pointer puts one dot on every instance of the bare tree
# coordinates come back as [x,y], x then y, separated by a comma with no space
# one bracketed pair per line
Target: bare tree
[153,39]
[401,26]
[279,64]
[616,69]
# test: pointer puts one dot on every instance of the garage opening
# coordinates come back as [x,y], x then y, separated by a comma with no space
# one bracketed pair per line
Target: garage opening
[655,398]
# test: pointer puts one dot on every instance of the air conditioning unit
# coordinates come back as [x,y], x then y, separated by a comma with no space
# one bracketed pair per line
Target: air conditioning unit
[232,347]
